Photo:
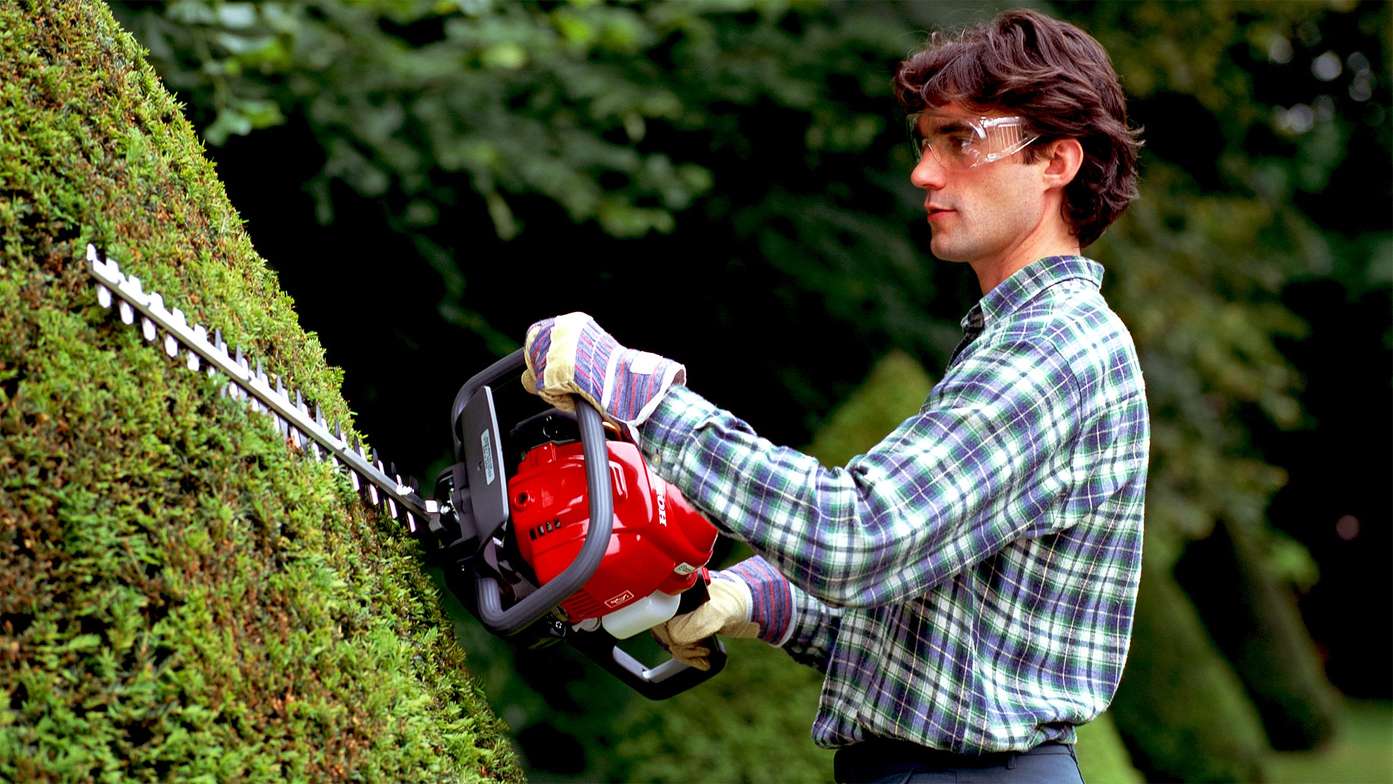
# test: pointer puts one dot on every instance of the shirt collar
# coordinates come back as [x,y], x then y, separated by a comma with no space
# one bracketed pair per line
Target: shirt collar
[1026,282]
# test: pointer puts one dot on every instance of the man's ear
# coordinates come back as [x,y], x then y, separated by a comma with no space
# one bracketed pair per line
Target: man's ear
[1063,157]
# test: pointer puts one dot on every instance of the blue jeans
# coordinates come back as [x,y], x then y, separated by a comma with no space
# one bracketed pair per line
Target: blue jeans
[894,762]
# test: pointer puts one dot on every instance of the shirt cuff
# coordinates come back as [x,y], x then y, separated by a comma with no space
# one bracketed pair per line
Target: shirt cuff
[771,605]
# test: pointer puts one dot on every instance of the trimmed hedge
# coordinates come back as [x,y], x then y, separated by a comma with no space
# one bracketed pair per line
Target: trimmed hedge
[1254,620]
[1180,709]
[181,597]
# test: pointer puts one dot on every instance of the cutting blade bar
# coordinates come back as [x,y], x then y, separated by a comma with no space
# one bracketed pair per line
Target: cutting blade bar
[288,410]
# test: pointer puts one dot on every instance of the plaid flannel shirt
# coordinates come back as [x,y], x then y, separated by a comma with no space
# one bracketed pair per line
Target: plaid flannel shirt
[968,584]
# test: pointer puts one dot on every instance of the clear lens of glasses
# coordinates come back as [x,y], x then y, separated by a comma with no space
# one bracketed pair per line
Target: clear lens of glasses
[967,142]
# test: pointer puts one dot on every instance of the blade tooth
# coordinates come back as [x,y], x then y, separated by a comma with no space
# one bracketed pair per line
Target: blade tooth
[103,296]
[134,283]
[300,403]
[391,508]
[147,328]
[260,370]
[199,334]
[156,302]
[411,522]
[319,417]
[296,439]
[372,494]
[171,346]
[338,430]
[178,316]
[357,482]
[127,312]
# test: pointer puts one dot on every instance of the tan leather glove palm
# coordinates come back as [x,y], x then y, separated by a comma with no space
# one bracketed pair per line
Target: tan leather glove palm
[726,612]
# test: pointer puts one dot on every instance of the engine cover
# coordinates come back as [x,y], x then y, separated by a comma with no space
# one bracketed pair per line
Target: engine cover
[659,541]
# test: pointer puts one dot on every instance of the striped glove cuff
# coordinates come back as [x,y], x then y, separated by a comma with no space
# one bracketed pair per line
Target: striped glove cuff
[771,606]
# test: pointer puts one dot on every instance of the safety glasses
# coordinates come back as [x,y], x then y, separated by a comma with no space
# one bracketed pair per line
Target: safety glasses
[958,142]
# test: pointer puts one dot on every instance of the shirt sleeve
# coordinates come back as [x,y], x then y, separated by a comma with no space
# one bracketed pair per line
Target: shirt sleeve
[971,472]
[814,629]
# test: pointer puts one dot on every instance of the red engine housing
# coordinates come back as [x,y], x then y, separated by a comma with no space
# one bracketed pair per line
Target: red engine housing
[659,541]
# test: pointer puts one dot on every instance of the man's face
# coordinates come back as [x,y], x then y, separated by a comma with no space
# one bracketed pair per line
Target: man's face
[975,213]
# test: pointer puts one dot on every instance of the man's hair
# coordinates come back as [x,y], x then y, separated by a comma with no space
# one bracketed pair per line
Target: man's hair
[1060,80]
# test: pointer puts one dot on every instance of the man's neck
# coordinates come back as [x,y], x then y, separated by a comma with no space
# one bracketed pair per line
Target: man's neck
[991,271]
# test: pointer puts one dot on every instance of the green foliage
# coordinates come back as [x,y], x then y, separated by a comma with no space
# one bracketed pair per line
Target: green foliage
[1253,618]
[520,98]
[180,596]
[1180,709]
[621,117]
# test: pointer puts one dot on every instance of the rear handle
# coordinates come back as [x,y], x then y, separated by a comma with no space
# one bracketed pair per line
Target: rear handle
[660,682]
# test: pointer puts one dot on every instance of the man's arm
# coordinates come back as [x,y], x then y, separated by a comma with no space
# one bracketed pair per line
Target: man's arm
[975,469]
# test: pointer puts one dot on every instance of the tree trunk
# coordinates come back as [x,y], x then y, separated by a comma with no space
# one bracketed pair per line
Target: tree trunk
[181,595]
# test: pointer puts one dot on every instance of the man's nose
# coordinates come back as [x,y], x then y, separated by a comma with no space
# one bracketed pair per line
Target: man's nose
[928,173]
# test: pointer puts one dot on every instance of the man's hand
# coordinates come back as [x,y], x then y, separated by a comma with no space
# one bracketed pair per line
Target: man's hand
[726,612]
[571,355]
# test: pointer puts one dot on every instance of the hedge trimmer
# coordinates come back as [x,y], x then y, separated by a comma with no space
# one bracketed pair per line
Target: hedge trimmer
[551,529]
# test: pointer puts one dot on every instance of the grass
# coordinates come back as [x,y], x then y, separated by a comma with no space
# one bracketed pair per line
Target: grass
[1362,752]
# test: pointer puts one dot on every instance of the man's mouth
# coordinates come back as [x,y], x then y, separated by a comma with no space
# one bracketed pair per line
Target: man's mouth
[935,211]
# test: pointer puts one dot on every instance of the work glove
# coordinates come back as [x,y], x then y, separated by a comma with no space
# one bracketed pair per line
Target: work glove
[571,355]
[726,612]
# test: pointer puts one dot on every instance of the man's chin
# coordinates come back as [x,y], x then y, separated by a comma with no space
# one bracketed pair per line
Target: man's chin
[945,251]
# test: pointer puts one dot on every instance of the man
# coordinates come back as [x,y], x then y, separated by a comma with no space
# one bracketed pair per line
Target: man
[967,586]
